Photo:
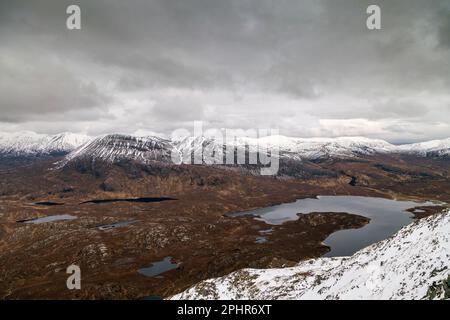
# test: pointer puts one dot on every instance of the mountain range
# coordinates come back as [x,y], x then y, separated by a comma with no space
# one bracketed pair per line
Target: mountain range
[33,144]
[116,147]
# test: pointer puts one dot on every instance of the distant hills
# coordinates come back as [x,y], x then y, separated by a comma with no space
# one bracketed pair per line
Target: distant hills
[117,147]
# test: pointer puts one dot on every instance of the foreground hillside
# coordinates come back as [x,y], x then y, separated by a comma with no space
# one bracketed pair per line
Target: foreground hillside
[412,264]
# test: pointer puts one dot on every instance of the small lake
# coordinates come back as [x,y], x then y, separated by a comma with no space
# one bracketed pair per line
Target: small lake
[261,240]
[157,268]
[142,200]
[50,219]
[153,297]
[48,203]
[386,217]
[105,227]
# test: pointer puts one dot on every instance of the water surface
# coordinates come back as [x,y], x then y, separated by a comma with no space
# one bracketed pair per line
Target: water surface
[261,240]
[386,217]
[48,203]
[144,200]
[159,267]
[120,224]
[58,217]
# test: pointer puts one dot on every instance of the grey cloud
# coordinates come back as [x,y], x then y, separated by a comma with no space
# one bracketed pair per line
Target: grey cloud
[399,109]
[443,21]
[142,72]
[30,91]
[300,53]
[171,110]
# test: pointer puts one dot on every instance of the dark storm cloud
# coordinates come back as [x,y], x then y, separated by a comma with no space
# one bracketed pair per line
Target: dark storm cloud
[243,62]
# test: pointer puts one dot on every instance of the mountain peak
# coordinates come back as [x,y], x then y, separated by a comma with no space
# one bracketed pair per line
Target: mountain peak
[112,147]
[28,143]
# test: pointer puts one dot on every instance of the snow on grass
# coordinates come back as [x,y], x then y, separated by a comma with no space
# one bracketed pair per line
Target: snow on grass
[412,264]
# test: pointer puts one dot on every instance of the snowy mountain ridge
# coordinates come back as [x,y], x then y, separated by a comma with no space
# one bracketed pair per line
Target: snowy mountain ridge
[116,147]
[113,147]
[412,264]
[433,147]
[27,143]
[313,148]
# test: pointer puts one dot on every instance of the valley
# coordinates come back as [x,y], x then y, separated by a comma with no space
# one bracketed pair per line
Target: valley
[132,215]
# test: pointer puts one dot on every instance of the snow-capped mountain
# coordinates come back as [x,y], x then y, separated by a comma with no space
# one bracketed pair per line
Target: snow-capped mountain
[116,147]
[434,148]
[32,144]
[412,264]
[201,150]
[314,148]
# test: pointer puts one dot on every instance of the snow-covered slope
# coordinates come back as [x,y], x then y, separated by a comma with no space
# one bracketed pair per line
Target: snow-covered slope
[314,148]
[31,144]
[434,148]
[412,264]
[186,149]
[116,147]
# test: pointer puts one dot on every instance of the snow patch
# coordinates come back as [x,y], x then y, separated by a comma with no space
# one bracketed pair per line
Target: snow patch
[409,265]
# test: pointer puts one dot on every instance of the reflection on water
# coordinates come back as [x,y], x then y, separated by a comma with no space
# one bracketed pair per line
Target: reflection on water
[50,219]
[48,203]
[105,227]
[143,200]
[267,231]
[386,218]
[153,297]
[159,267]
[261,240]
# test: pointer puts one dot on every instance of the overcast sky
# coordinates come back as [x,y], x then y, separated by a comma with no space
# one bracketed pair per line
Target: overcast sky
[308,68]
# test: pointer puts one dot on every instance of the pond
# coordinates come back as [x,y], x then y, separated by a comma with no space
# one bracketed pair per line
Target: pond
[54,218]
[157,268]
[143,200]
[105,227]
[261,240]
[386,217]
[48,203]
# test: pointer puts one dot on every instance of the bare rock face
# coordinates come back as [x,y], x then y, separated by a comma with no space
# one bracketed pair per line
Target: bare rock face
[108,185]
[412,264]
